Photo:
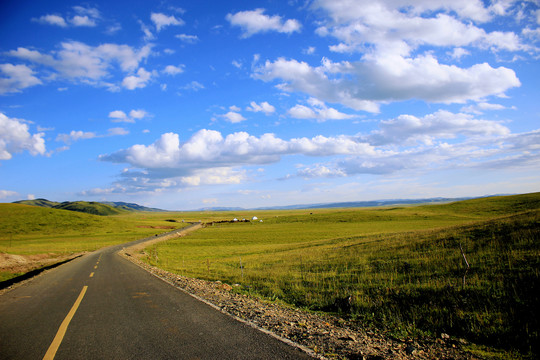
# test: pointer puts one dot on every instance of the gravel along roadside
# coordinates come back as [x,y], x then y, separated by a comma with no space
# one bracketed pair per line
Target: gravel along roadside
[326,336]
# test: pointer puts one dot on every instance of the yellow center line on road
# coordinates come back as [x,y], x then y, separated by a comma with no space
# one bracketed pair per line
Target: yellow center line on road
[51,352]
[95,267]
[91,274]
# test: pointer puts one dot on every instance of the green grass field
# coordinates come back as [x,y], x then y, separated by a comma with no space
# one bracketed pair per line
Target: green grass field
[402,267]
[31,230]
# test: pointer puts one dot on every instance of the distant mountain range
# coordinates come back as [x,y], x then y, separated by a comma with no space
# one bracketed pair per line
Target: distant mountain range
[92,207]
[351,204]
[112,208]
[355,204]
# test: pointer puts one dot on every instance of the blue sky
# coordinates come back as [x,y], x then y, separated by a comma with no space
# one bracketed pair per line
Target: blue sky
[190,104]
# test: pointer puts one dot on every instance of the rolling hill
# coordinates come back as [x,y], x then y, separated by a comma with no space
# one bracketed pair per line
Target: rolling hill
[92,207]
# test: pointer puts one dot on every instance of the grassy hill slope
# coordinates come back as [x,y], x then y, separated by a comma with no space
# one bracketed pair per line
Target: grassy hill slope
[28,229]
[38,202]
[94,208]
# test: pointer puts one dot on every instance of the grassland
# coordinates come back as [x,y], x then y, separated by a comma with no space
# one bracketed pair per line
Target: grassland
[402,268]
[31,230]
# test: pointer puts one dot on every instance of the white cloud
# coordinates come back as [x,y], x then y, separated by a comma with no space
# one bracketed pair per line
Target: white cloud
[509,151]
[77,61]
[7,193]
[458,53]
[52,19]
[78,20]
[318,111]
[137,81]
[399,27]
[148,34]
[75,135]
[233,117]
[120,116]
[480,107]
[193,86]
[403,144]
[161,21]
[409,129]
[209,149]
[255,21]
[214,176]
[17,78]
[138,114]
[15,138]
[264,107]
[190,39]
[82,16]
[364,85]
[320,171]
[173,70]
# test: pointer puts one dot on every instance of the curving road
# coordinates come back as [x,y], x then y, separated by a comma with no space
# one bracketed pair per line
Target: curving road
[101,306]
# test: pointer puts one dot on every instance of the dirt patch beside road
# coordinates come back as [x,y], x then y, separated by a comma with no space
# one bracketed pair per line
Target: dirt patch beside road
[20,264]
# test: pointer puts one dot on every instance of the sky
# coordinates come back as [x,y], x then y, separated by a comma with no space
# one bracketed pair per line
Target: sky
[185,105]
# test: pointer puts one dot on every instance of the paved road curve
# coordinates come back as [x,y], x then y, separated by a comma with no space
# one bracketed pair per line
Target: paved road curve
[119,311]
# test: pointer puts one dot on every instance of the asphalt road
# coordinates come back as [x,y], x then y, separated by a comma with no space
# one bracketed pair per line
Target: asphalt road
[101,306]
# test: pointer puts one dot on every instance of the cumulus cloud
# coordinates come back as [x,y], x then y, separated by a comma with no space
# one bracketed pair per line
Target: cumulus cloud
[161,21]
[439,125]
[318,111]
[233,117]
[80,16]
[364,85]
[120,116]
[15,138]
[509,151]
[173,70]
[398,44]
[255,21]
[399,27]
[75,135]
[52,19]
[405,143]
[264,107]
[7,193]
[209,149]
[16,78]
[79,20]
[138,80]
[77,61]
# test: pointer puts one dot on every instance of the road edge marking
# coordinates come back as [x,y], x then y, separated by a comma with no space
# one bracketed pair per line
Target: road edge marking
[53,348]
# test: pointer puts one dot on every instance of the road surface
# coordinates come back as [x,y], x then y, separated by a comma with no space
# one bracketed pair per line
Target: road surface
[101,306]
